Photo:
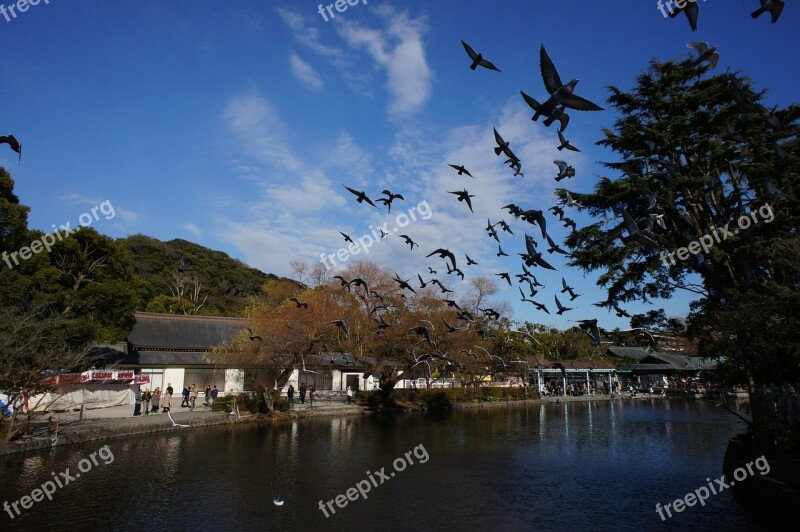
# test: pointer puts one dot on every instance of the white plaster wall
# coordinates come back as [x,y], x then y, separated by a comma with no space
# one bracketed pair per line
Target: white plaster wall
[175,377]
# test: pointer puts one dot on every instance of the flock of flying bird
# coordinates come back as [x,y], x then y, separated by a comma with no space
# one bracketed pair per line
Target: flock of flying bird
[561,97]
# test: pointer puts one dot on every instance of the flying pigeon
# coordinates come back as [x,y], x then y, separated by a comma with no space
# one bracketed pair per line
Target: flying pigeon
[461,170]
[691,11]
[565,170]
[13,143]
[705,53]
[360,195]
[477,59]
[565,143]
[775,7]
[464,196]
[560,93]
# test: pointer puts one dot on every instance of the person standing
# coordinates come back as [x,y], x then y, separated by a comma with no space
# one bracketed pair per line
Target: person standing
[207,395]
[303,394]
[214,393]
[166,399]
[185,395]
[156,399]
[146,396]
[193,397]
[137,410]
[290,395]
[311,393]
[349,395]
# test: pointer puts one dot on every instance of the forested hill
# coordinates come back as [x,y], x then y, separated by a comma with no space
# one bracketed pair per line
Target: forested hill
[189,278]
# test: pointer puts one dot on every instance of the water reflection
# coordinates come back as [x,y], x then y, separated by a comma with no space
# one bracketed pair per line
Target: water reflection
[577,465]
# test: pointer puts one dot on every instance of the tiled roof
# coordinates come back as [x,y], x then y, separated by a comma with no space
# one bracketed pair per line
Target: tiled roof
[635,353]
[169,332]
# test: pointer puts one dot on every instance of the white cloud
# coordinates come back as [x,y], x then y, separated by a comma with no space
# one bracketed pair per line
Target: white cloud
[192,229]
[305,72]
[398,50]
[307,33]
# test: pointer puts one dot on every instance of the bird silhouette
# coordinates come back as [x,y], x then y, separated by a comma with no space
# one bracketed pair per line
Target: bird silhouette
[404,284]
[505,276]
[500,252]
[478,59]
[461,170]
[445,254]
[554,247]
[470,262]
[423,331]
[13,143]
[408,241]
[775,8]
[361,197]
[590,328]
[565,143]
[561,309]
[387,201]
[560,93]
[692,10]
[254,336]
[298,303]
[347,237]
[465,196]
[342,325]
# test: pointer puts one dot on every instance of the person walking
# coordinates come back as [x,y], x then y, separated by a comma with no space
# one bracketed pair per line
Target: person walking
[146,396]
[193,397]
[137,410]
[185,394]
[290,395]
[303,394]
[214,393]
[349,395]
[207,395]
[156,399]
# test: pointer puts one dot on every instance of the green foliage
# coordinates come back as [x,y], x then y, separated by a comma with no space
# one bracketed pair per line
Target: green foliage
[228,283]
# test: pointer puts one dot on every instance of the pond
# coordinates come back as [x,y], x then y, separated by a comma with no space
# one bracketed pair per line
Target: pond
[589,465]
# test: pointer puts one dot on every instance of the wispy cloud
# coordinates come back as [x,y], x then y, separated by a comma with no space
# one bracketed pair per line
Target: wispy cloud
[305,72]
[399,50]
[306,31]
[193,229]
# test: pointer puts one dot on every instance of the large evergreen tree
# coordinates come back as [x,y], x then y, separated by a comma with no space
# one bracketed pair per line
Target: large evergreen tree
[701,156]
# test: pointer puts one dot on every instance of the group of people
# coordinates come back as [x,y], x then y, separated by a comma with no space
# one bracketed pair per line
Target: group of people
[149,402]
[311,391]
[190,394]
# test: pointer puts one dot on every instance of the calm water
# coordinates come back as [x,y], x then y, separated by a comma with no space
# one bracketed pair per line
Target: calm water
[579,466]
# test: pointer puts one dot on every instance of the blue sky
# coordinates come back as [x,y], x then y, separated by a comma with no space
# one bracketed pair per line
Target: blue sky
[233,124]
